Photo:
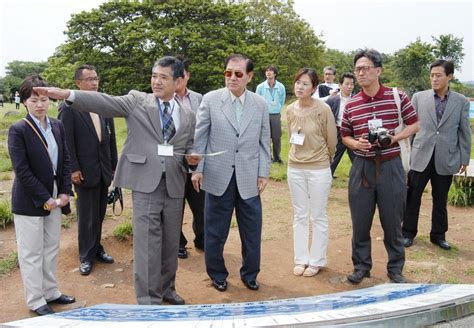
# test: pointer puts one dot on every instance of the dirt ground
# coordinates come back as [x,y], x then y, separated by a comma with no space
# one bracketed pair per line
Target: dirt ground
[113,283]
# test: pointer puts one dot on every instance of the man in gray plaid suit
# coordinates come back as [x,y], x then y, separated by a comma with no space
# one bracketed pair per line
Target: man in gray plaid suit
[234,120]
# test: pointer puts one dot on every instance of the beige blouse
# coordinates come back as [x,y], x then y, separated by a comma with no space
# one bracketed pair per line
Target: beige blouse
[319,127]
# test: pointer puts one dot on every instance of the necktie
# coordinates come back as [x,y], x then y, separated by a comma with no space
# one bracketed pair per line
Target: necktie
[168,124]
[238,110]
[96,121]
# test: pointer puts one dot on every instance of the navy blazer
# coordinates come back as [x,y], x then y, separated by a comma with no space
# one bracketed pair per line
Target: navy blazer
[334,102]
[34,177]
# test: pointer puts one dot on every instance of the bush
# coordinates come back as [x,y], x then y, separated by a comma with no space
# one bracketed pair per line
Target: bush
[123,230]
[9,263]
[461,192]
[6,216]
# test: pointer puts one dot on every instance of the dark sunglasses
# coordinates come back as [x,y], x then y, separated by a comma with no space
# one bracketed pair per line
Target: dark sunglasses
[229,74]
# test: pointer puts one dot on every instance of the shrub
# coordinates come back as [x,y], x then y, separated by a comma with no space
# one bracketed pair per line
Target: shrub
[461,192]
[123,230]
[6,216]
[9,263]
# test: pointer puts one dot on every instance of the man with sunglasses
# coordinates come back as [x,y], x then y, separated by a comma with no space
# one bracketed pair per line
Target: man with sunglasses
[234,179]
[377,176]
[91,142]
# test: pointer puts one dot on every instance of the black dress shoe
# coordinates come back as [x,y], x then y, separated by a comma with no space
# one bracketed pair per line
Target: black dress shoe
[43,310]
[397,278]
[251,284]
[176,300]
[85,268]
[357,276]
[63,299]
[407,242]
[182,253]
[442,243]
[220,285]
[104,257]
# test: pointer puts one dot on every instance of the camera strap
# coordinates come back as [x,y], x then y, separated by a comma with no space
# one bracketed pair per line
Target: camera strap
[119,196]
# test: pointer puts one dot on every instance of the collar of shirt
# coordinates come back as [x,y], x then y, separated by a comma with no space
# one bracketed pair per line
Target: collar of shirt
[379,95]
[446,96]
[242,96]
[38,123]
[267,85]
[186,94]
[171,102]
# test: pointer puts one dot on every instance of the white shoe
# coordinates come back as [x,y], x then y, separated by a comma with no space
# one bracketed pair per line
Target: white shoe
[299,269]
[311,271]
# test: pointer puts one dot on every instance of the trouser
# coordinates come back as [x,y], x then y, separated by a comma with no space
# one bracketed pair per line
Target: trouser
[156,227]
[340,149]
[387,191]
[196,204]
[309,189]
[440,185]
[217,215]
[37,240]
[275,134]
[91,207]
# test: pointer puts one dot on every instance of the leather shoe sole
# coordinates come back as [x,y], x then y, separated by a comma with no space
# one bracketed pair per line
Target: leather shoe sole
[177,300]
[220,285]
[251,284]
[63,299]
[357,276]
[442,243]
[85,268]
[43,310]
[105,258]
[407,242]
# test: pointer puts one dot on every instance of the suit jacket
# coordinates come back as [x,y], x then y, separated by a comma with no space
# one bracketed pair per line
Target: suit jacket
[195,99]
[140,168]
[34,177]
[451,137]
[247,147]
[334,103]
[96,160]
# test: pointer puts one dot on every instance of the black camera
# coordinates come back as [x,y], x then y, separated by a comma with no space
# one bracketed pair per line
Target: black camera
[381,135]
[114,195]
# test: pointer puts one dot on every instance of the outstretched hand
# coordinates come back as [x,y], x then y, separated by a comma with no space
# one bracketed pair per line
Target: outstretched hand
[53,93]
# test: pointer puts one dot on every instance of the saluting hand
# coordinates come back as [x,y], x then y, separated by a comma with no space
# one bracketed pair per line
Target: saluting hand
[53,93]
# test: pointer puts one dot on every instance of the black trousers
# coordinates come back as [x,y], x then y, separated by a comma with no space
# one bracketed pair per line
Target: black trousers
[340,149]
[387,191]
[275,134]
[91,207]
[440,184]
[196,204]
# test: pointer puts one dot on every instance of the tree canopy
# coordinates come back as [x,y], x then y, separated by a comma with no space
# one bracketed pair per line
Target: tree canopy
[124,39]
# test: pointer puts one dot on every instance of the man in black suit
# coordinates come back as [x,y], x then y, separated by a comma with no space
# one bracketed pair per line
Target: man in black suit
[91,142]
[338,103]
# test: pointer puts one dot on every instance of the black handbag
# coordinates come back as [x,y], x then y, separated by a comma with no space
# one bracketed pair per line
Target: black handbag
[115,195]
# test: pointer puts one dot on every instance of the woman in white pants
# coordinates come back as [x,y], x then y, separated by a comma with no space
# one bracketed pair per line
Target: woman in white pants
[313,139]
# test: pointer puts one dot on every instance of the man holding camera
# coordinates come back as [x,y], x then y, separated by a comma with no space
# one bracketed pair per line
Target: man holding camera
[377,177]
[91,142]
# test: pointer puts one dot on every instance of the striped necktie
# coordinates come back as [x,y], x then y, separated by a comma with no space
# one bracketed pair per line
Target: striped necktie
[168,124]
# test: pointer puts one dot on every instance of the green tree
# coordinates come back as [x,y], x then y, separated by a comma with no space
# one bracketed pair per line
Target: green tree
[123,39]
[448,47]
[410,66]
[16,71]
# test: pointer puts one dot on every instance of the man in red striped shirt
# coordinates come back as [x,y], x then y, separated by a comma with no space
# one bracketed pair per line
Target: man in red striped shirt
[377,177]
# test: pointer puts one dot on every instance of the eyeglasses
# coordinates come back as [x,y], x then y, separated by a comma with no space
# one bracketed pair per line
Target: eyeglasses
[90,79]
[228,73]
[303,84]
[362,69]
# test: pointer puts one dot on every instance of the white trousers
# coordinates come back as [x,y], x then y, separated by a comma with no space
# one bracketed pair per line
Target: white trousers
[309,190]
[37,240]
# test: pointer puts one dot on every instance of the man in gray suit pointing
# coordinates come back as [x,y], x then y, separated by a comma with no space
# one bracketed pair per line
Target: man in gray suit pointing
[440,149]
[159,130]
[234,120]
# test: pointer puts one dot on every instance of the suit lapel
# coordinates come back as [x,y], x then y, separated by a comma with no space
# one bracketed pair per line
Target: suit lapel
[57,137]
[88,121]
[151,107]
[249,111]
[228,110]
[432,108]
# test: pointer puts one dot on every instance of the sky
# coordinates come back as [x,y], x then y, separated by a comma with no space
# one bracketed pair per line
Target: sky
[31,30]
